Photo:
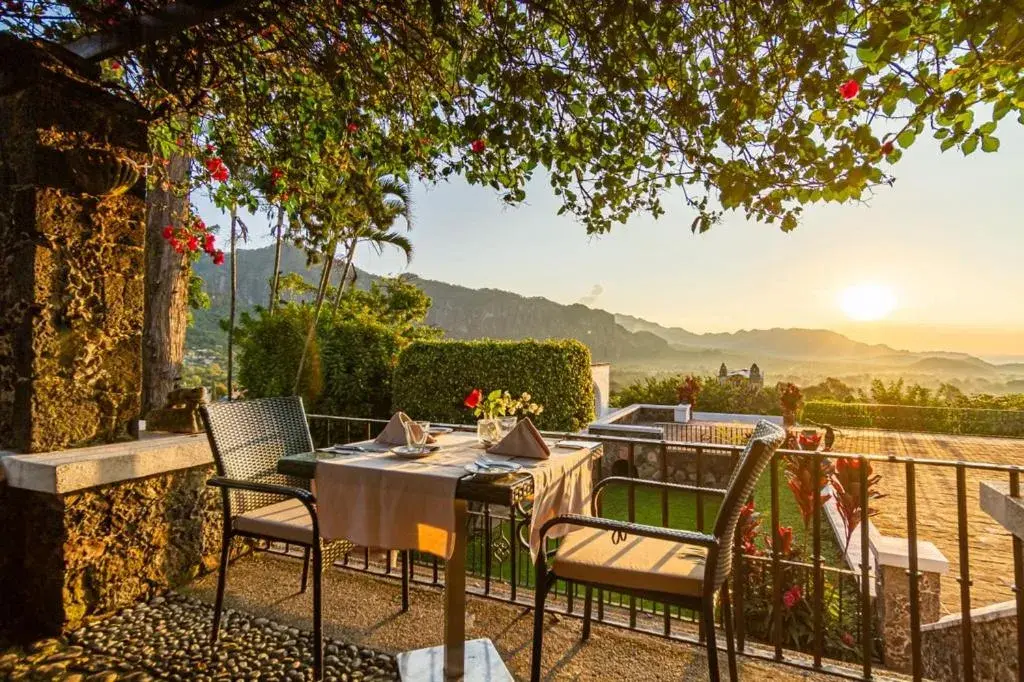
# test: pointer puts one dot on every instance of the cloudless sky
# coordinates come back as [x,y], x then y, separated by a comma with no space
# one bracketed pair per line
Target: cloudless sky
[947,239]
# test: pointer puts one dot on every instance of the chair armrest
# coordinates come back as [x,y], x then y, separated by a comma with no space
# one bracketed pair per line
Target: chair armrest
[643,483]
[304,496]
[688,537]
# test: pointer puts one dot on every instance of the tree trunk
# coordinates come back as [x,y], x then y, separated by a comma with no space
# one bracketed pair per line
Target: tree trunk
[325,278]
[344,275]
[166,305]
[277,260]
[234,297]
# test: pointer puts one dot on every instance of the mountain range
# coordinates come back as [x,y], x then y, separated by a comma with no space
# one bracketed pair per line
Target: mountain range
[633,345]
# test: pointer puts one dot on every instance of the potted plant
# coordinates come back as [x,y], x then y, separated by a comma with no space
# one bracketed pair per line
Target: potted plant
[498,411]
[687,394]
[791,399]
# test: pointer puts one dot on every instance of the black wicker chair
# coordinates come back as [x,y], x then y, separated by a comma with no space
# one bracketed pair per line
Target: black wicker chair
[676,567]
[248,438]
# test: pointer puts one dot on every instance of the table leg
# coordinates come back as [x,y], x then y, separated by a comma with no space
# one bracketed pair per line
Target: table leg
[455,599]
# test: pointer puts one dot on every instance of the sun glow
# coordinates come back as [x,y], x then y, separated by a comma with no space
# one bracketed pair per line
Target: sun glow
[867,302]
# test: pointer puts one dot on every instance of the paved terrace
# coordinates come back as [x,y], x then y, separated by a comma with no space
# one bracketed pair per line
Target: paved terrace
[265,637]
[991,558]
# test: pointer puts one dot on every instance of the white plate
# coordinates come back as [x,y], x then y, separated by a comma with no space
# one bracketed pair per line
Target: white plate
[439,430]
[415,451]
[492,470]
[575,444]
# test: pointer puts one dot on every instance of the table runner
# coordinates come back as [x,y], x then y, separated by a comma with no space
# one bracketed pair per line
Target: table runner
[381,500]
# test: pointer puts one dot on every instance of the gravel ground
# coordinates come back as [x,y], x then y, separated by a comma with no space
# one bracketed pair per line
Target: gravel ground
[168,639]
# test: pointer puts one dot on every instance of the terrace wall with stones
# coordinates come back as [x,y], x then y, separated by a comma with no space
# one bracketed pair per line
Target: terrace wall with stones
[994,639]
[70,554]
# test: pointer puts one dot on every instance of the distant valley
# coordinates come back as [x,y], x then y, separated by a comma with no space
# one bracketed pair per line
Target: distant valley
[634,346]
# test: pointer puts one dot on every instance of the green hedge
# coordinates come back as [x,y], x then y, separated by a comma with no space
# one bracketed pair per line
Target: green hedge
[433,378]
[348,371]
[956,420]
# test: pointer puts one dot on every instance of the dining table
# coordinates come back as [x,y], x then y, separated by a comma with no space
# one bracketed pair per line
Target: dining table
[372,477]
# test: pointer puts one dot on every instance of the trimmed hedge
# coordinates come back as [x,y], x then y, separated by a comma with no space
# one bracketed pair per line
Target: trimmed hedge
[955,420]
[434,377]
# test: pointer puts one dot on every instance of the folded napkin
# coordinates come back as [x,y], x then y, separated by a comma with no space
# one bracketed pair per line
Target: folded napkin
[522,441]
[394,430]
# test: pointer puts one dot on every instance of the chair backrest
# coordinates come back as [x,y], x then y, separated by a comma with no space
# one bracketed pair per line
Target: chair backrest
[763,443]
[248,437]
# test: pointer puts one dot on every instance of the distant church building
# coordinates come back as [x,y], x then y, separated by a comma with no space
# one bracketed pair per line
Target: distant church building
[753,375]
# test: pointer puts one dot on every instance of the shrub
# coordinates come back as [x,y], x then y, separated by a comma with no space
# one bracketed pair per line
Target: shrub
[347,371]
[912,418]
[433,378]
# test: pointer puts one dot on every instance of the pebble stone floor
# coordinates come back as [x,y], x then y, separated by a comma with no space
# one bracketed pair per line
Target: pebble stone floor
[168,639]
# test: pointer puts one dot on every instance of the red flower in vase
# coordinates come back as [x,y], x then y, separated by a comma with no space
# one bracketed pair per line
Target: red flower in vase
[474,398]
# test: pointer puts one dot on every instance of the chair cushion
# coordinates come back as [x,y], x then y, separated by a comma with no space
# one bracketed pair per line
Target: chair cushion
[288,520]
[636,563]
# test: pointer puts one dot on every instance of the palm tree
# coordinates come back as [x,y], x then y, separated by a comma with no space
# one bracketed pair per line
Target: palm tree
[370,217]
[395,203]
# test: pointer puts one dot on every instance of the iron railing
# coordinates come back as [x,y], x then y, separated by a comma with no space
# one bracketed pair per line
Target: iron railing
[764,624]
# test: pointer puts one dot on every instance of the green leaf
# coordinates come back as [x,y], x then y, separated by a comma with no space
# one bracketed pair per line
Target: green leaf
[989,144]
[969,145]
[906,138]
[866,53]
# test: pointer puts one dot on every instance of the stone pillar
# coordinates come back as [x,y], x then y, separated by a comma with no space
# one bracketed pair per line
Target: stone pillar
[72,231]
[893,594]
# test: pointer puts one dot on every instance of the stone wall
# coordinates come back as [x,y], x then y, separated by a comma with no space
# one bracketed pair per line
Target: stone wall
[893,611]
[97,550]
[994,640]
[682,464]
[71,262]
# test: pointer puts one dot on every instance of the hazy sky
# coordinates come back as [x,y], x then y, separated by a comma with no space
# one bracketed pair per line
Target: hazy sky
[947,240]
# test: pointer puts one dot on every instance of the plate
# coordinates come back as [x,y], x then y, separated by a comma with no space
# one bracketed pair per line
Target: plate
[491,470]
[439,430]
[415,451]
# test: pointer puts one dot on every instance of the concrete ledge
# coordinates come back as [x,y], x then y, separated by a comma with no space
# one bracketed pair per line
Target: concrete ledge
[984,614]
[895,552]
[995,500]
[730,418]
[67,471]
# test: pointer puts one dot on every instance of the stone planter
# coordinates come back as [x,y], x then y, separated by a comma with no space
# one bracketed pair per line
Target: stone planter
[682,413]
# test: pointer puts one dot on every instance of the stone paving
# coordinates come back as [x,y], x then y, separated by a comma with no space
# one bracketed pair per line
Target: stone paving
[991,558]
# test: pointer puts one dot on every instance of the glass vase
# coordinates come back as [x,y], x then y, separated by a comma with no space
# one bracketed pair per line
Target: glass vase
[488,431]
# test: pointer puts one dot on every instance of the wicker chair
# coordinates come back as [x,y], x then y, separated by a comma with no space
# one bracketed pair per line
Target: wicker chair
[248,438]
[676,567]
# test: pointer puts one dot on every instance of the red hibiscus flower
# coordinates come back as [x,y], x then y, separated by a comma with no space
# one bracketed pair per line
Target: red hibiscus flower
[887,147]
[792,596]
[786,538]
[352,127]
[208,244]
[474,398]
[478,146]
[168,232]
[218,257]
[193,243]
[849,89]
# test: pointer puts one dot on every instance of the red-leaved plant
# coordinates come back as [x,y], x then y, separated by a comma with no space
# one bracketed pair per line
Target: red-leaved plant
[805,488]
[687,391]
[846,486]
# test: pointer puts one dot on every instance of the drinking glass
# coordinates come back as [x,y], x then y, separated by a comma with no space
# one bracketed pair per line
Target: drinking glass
[416,433]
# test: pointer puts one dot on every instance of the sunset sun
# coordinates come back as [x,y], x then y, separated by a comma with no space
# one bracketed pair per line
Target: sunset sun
[867,302]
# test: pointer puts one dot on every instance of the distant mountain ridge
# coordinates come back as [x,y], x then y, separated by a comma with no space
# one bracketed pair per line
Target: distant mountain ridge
[622,339]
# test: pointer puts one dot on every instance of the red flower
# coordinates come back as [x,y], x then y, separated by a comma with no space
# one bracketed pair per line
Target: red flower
[849,89]
[478,146]
[208,243]
[809,441]
[792,596]
[193,243]
[209,148]
[887,147]
[115,65]
[168,232]
[276,173]
[786,538]
[218,171]
[474,398]
[199,225]
[284,196]
[352,127]
[218,257]
[176,245]
[847,639]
